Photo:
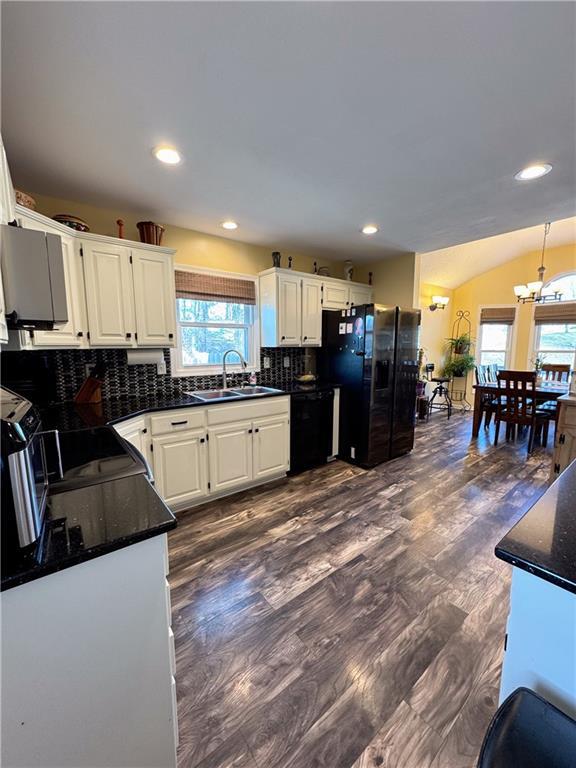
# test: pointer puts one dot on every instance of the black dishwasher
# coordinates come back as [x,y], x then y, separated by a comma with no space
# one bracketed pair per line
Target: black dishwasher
[311,425]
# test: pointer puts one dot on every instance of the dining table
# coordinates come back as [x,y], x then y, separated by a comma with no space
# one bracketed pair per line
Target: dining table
[542,392]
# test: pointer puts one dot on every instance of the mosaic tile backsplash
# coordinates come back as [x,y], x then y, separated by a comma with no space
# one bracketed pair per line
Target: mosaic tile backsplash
[65,370]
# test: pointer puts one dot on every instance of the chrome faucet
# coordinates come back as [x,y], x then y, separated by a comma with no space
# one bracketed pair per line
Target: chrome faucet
[242,361]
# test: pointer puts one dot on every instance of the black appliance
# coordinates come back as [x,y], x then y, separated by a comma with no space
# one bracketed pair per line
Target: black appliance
[311,427]
[371,351]
[24,472]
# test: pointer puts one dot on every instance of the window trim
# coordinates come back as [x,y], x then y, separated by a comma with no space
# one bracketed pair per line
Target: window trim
[536,342]
[511,349]
[532,351]
[180,371]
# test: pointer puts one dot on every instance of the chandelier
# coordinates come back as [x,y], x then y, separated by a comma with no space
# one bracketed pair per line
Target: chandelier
[532,292]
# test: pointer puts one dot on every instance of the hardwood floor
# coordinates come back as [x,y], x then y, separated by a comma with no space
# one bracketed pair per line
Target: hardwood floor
[346,618]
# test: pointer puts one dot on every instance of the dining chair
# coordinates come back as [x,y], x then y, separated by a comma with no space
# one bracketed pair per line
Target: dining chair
[516,406]
[492,372]
[556,372]
[488,402]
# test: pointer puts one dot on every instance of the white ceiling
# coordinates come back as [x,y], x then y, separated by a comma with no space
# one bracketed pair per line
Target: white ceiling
[450,267]
[303,121]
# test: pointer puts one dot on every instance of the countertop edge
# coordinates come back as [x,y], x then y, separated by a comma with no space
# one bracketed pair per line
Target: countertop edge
[534,570]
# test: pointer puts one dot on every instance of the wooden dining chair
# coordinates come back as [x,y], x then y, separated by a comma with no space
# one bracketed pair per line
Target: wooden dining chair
[515,404]
[488,402]
[556,372]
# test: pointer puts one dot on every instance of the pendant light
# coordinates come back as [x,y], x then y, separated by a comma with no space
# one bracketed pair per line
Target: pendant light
[532,292]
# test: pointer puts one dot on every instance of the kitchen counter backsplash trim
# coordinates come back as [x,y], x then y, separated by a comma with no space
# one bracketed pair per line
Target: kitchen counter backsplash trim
[122,380]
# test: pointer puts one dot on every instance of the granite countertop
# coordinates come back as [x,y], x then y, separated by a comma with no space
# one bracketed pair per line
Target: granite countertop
[543,542]
[70,416]
[89,522]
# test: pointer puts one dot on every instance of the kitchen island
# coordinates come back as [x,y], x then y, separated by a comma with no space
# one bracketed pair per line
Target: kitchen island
[87,648]
[541,630]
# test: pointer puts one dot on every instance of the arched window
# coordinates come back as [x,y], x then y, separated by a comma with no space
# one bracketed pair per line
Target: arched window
[564,284]
[555,331]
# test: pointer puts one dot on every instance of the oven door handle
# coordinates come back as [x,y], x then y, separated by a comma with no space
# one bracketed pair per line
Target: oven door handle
[56,435]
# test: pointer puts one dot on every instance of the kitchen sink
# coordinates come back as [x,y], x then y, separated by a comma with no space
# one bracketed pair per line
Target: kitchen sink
[213,394]
[253,391]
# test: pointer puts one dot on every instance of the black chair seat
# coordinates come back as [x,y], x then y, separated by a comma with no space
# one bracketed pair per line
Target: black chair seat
[529,732]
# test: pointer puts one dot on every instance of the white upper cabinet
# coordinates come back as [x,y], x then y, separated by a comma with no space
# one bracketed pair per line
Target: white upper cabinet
[335,295]
[289,311]
[118,294]
[291,305]
[311,313]
[154,298]
[360,294]
[109,294]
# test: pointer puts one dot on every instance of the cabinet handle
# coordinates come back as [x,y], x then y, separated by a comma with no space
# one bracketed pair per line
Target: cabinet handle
[249,431]
[283,337]
[170,335]
[178,423]
[80,334]
[145,430]
[305,337]
[202,440]
[347,303]
[257,429]
[128,335]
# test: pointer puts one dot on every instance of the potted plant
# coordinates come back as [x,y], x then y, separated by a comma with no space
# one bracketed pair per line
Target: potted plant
[421,383]
[457,369]
[460,345]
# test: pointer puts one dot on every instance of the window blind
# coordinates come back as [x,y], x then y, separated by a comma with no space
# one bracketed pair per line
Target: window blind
[555,314]
[498,315]
[207,287]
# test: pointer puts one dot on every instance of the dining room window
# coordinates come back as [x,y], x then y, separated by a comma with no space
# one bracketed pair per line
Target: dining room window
[495,337]
[555,332]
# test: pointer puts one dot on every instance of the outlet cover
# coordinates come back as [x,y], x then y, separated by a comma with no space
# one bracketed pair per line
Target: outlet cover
[286,362]
[161,367]
[266,362]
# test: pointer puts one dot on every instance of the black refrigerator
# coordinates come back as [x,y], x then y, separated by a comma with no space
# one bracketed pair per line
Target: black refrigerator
[371,351]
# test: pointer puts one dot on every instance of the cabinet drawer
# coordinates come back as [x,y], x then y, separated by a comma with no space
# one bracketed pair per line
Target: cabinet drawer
[177,421]
[269,406]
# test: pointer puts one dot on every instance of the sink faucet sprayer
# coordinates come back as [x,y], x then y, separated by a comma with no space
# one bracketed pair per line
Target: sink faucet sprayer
[242,361]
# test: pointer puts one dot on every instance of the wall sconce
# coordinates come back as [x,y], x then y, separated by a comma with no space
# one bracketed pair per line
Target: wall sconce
[438,302]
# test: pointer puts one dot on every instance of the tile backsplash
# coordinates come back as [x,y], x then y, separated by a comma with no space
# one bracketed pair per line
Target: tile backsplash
[57,375]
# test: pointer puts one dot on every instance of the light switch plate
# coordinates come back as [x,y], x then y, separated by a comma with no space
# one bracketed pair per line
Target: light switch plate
[266,362]
[286,362]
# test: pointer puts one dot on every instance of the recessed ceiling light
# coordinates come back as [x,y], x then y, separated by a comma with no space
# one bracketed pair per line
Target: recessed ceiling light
[369,229]
[167,155]
[229,225]
[533,172]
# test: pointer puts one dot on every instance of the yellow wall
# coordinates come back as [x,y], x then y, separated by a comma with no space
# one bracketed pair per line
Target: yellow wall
[436,326]
[496,287]
[192,247]
[393,279]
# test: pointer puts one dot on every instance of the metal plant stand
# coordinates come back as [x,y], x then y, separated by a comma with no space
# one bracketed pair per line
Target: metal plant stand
[461,327]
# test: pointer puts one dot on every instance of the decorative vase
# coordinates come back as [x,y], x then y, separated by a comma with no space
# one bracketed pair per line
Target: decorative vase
[150,232]
[276,258]
[348,270]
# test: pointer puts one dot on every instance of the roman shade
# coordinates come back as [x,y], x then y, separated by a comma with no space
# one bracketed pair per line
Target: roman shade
[498,315]
[210,287]
[555,314]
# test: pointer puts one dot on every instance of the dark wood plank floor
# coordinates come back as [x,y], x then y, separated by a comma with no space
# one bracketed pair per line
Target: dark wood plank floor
[345,618]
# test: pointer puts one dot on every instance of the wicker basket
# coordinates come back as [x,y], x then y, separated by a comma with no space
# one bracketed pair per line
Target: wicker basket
[150,233]
[26,200]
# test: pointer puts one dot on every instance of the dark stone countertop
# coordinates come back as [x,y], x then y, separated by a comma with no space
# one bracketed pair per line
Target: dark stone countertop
[69,416]
[543,542]
[86,523]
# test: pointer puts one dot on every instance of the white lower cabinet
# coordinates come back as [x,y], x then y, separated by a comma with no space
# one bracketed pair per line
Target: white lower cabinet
[270,447]
[181,466]
[230,455]
[565,436]
[135,432]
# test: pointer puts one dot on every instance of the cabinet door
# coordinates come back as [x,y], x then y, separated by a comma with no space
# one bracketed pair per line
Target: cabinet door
[289,311]
[135,432]
[180,466]
[271,447]
[360,295]
[109,295]
[154,298]
[335,295]
[230,451]
[311,313]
